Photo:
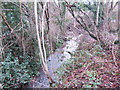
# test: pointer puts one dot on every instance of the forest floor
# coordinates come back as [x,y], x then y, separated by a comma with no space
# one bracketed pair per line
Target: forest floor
[80,62]
[91,73]
[56,59]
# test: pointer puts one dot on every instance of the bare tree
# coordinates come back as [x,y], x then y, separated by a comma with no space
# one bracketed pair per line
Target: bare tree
[98,30]
[42,49]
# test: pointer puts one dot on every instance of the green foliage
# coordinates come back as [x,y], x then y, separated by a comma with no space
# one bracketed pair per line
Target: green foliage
[17,68]
[69,65]
[13,15]
[61,18]
[98,51]
[81,6]
[93,81]
[92,8]
[78,62]
[16,72]
[59,43]
[63,9]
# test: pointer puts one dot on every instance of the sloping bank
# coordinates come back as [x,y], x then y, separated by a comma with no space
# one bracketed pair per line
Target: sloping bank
[56,60]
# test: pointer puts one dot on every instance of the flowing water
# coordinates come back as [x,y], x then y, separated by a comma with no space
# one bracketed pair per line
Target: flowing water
[54,61]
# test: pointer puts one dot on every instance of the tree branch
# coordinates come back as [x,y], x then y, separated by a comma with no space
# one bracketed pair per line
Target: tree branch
[12,31]
[44,64]
[86,28]
[113,7]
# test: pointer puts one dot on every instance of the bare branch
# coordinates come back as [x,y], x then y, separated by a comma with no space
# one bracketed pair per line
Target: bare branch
[113,7]
[7,23]
[21,22]
[82,24]
[12,31]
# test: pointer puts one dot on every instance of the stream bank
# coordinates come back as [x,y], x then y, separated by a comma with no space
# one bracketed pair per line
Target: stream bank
[55,60]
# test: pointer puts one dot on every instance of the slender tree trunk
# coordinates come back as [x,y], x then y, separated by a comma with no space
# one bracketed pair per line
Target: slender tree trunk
[97,17]
[119,29]
[1,51]
[41,49]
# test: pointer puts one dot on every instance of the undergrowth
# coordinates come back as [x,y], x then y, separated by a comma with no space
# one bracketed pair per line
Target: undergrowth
[15,73]
[84,69]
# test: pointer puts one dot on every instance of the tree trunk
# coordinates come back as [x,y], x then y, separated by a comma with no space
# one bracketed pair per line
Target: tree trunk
[1,51]
[41,47]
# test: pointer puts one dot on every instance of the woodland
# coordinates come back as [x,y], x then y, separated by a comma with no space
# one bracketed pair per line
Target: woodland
[60,44]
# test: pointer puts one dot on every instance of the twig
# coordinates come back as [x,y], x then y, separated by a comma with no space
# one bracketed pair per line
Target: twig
[9,26]
[113,7]
[7,45]
[97,16]
[6,9]
[21,21]
[7,23]
[86,68]
[113,54]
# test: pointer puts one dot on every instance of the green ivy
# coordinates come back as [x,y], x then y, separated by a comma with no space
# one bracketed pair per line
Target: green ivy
[14,72]
[59,43]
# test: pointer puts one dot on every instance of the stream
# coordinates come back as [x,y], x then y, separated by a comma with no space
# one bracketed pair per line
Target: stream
[55,60]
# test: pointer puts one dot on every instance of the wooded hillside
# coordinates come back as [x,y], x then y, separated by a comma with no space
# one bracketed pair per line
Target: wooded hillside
[60,44]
